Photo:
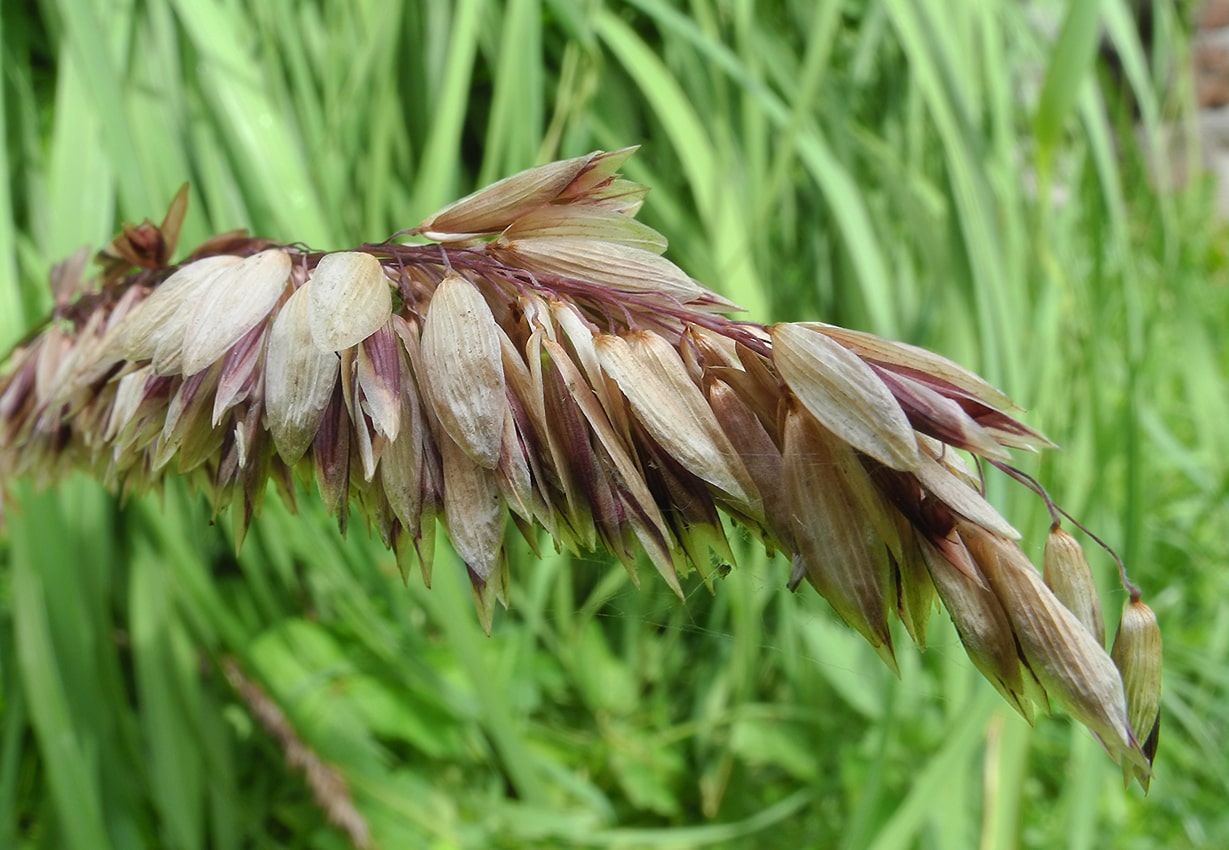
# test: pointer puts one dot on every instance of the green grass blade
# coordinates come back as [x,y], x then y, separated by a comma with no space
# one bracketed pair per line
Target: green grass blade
[73,771]
[1065,77]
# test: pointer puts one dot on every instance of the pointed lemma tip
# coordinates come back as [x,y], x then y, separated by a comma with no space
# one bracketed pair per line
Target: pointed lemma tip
[1138,769]
[797,572]
[888,655]
[483,592]
[1020,702]
[401,558]
[1130,772]
[677,587]
[633,575]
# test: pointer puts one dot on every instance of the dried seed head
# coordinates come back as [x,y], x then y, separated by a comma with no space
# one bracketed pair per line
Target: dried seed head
[186,429]
[586,223]
[164,315]
[609,264]
[1137,653]
[549,362]
[463,375]
[495,207]
[299,378]
[915,590]
[844,394]
[759,454]
[241,373]
[378,372]
[350,299]
[939,416]
[581,336]
[234,303]
[402,468]
[1066,572]
[652,377]
[331,455]
[597,183]
[474,512]
[837,545]
[913,361]
[1064,656]
[981,622]
[960,497]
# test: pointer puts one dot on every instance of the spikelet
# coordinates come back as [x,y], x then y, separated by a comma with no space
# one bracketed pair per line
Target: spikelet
[1137,654]
[1066,572]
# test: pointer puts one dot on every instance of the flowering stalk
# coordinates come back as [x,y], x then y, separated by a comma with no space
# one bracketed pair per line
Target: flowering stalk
[541,360]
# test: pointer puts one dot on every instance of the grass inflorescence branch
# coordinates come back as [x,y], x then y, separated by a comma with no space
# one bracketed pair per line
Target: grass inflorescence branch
[539,359]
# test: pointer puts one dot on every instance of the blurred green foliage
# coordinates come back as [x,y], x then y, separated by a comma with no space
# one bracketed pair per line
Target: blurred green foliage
[959,175]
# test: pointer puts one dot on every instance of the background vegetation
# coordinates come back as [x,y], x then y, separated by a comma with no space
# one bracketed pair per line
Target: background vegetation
[960,175]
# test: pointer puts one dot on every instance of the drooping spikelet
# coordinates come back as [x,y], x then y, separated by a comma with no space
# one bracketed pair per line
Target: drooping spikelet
[542,360]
